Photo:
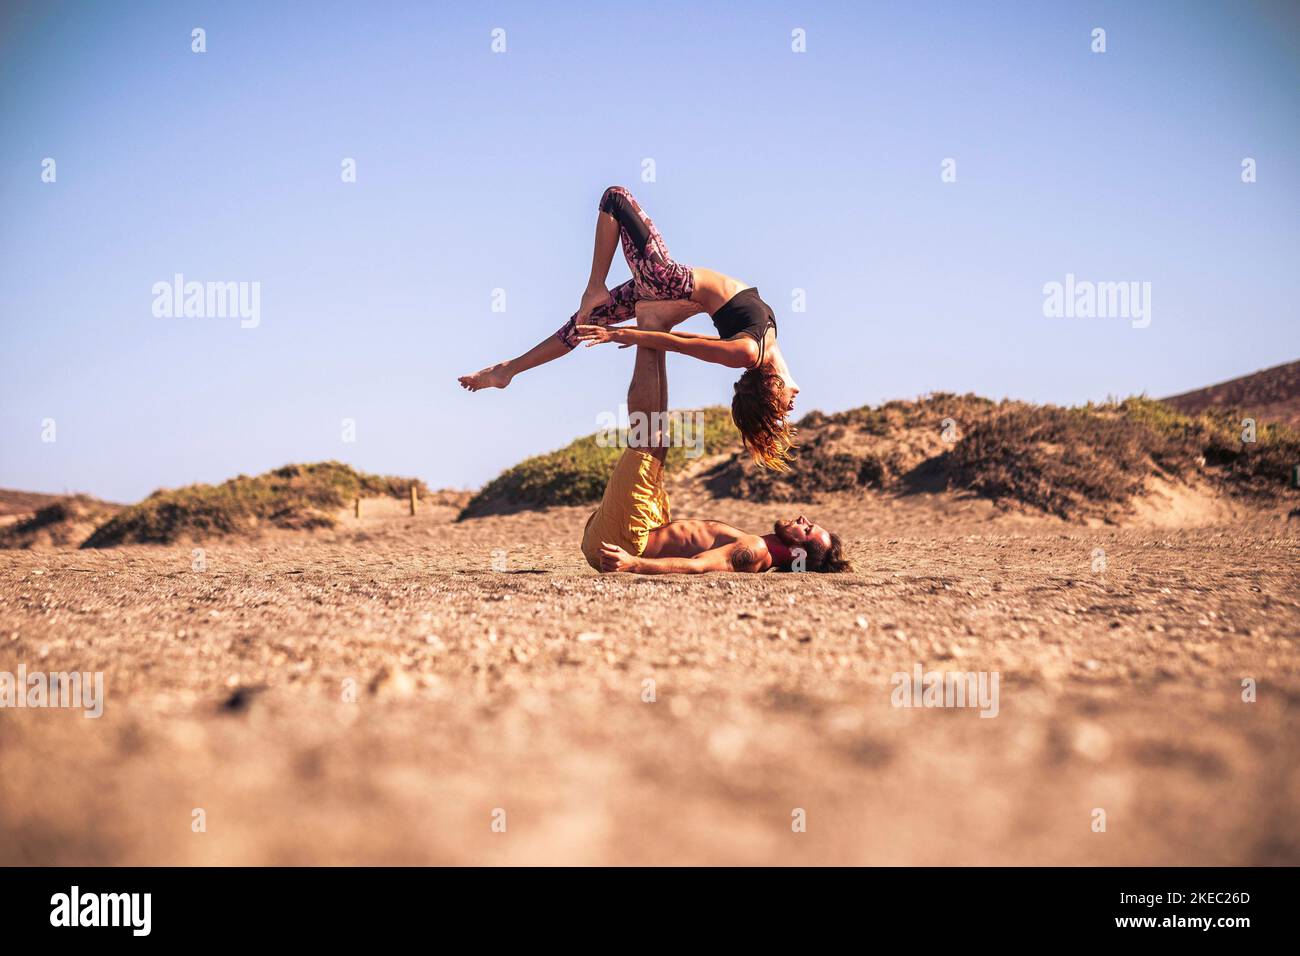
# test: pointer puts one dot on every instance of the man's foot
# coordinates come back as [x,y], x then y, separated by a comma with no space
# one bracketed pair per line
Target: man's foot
[494,376]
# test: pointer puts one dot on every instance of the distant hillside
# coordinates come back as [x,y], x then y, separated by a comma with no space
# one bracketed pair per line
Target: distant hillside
[1272,395]
[301,497]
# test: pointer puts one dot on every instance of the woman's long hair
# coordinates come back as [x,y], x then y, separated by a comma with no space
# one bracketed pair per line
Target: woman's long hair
[759,413]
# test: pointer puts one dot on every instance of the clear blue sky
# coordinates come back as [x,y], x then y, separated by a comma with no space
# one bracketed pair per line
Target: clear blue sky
[478,171]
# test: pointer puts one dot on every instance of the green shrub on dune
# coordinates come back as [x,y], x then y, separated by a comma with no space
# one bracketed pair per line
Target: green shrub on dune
[1217,434]
[576,474]
[295,496]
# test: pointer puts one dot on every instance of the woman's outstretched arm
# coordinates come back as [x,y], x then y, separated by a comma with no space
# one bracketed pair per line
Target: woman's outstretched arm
[695,335]
[740,352]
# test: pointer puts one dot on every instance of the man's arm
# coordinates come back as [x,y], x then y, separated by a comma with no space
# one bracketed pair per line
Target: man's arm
[738,556]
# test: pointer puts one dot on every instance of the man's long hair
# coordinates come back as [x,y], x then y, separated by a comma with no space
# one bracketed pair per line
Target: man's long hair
[831,560]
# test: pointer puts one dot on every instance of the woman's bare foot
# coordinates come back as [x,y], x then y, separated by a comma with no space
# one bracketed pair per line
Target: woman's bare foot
[494,376]
[593,298]
[664,314]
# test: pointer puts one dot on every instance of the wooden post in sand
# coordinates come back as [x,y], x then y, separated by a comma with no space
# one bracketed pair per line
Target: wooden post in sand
[356,506]
[413,498]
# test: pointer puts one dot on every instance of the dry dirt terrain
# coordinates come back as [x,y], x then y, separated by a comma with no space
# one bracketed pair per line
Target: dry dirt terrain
[381,694]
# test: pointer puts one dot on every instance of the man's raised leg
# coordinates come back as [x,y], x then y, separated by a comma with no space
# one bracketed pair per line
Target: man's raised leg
[648,393]
[635,502]
[646,405]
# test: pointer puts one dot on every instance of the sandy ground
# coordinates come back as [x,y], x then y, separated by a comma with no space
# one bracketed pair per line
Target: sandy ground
[381,694]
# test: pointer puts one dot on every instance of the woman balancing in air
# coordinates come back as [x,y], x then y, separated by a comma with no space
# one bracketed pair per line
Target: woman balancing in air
[746,327]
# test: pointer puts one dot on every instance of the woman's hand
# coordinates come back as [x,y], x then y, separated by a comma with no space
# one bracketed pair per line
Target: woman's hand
[596,334]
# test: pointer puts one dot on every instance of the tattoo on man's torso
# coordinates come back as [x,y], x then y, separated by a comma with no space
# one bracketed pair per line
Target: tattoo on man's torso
[742,558]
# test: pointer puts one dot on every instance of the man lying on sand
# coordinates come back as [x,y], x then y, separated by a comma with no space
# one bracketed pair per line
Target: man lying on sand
[632,531]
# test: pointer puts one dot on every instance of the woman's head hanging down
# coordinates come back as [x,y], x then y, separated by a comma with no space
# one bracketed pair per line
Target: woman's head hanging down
[764,396]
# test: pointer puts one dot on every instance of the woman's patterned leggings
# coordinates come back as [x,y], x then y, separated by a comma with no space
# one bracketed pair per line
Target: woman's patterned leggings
[654,274]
